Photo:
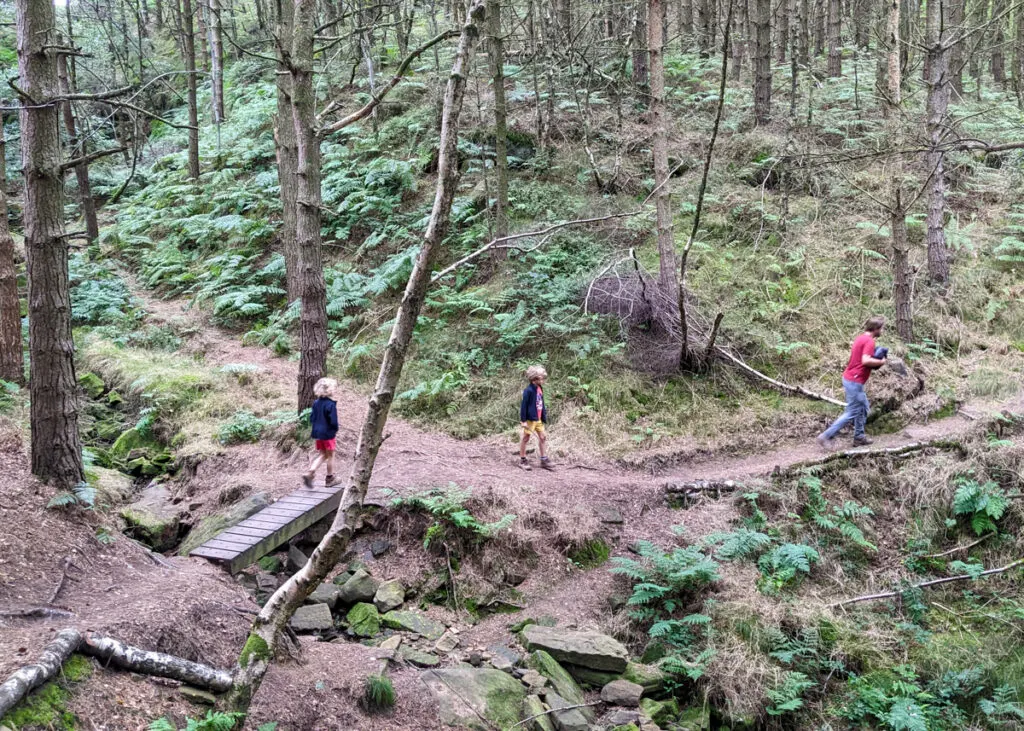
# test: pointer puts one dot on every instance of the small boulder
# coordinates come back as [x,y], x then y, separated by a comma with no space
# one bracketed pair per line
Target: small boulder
[475,698]
[533,707]
[390,595]
[561,681]
[586,648]
[92,384]
[608,514]
[296,559]
[418,658]
[379,547]
[652,678]
[534,680]
[622,693]
[697,718]
[590,678]
[360,588]
[154,518]
[363,620]
[448,642]
[312,618]
[325,594]
[566,717]
[621,717]
[341,578]
[270,564]
[198,696]
[391,643]
[500,662]
[513,657]
[414,622]
[661,712]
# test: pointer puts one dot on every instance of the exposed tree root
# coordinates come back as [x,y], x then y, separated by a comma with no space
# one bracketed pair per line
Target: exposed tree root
[702,486]
[68,641]
[927,584]
[37,613]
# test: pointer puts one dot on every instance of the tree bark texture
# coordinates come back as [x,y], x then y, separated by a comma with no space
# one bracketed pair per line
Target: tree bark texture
[24,679]
[998,41]
[76,150]
[56,445]
[936,107]
[897,208]
[147,662]
[803,28]
[496,53]
[188,42]
[659,148]
[1018,55]
[820,21]
[835,50]
[313,317]
[956,15]
[641,57]
[782,31]
[762,62]
[12,359]
[862,14]
[217,59]
[287,152]
[262,642]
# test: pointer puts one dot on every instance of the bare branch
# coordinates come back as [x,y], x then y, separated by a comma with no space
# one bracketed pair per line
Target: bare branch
[86,159]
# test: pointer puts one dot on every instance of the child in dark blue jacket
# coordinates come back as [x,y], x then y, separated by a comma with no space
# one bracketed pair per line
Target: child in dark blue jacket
[323,418]
[533,415]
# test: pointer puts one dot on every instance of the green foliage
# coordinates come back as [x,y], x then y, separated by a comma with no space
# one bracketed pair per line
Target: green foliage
[787,696]
[378,694]
[83,494]
[590,553]
[452,517]
[8,394]
[46,707]
[981,504]
[212,721]
[247,428]
[838,519]
[98,295]
[741,544]
[783,566]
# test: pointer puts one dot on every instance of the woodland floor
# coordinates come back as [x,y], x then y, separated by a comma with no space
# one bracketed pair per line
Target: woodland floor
[193,608]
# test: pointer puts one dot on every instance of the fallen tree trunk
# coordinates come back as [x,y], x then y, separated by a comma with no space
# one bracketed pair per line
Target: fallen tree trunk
[800,391]
[927,584]
[854,454]
[25,678]
[701,486]
[155,663]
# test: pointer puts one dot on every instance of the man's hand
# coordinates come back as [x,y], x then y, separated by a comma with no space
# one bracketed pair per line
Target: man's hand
[873,363]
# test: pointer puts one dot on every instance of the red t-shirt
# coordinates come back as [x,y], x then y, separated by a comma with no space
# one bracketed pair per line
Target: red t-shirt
[856,371]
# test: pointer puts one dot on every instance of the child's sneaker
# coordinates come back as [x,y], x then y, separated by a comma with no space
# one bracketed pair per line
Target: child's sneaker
[330,481]
[524,465]
[307,480]
[545,464]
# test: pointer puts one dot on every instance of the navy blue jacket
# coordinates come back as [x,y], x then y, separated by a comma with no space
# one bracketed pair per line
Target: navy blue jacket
[324,419]
[528,407]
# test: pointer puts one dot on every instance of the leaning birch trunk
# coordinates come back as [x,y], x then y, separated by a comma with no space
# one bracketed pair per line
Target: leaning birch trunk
[262,642]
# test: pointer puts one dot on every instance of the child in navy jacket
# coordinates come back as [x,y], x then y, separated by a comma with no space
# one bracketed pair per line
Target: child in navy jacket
[533,415]
[323,418]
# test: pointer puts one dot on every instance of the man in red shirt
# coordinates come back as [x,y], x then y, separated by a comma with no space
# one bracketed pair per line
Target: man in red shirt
[858,370]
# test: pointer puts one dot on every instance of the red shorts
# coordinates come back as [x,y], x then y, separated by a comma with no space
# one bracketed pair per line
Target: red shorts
[325,445]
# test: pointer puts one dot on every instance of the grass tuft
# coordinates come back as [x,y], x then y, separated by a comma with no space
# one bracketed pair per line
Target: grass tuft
[378,694]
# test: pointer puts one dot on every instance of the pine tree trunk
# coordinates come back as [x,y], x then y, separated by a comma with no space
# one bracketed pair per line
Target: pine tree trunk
[188,41]
[201,26]
[262,643]
[56,445]
[12,359]
[77,149]
[998,40]
[1018,55]
[217,60]
[496,53]
[739,41]
[900,259]
[313,317]
[862,13]
[820,17]
[956,16]
[159,14]
[704,40]
[804,31]
[782,32]
[835,51]
[762,62]
[685,24]
[287,152]
[937,37]
[641,68]
[659,147]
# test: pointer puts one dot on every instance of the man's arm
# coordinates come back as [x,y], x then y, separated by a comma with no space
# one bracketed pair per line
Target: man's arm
[868,358]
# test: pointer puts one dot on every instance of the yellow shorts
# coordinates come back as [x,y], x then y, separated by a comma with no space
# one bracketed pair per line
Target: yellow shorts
[534,427]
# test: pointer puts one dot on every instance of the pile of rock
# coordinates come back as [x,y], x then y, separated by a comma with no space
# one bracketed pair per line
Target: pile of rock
[546,689]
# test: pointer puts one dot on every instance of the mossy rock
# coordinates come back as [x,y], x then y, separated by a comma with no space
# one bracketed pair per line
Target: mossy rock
[270,564]
[154,519]
[463,692]
[112,487]
[561,680]
[414,622]
[591,678]
[92,384]
[211,525]
[364,620]
[697,718]
[652,678]
[661,712]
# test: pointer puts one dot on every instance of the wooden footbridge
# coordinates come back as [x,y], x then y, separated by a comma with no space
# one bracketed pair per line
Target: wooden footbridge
[248,541]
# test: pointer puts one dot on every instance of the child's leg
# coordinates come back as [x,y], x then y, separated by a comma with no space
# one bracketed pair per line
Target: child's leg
[317,460]
[542,440]
[329,459]
[522,444]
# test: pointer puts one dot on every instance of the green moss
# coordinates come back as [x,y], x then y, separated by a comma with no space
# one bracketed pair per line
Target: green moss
[503,706]
[92,384]
[590,554]
[255,646]
[271,564]
[158,533]
[46,707]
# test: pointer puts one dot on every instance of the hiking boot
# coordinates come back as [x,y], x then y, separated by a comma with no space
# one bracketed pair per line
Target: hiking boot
[824,442]
[545,464]
[524,465]
[307,480]
[862,441]
[330,481]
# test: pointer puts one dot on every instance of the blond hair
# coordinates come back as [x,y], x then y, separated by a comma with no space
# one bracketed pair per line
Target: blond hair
[534,372]
[324,388]
[874,324]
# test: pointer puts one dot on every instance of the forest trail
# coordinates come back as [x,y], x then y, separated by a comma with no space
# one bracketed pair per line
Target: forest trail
[414,456]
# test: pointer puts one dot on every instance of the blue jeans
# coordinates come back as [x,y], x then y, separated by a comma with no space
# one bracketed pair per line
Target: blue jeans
[856,410]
